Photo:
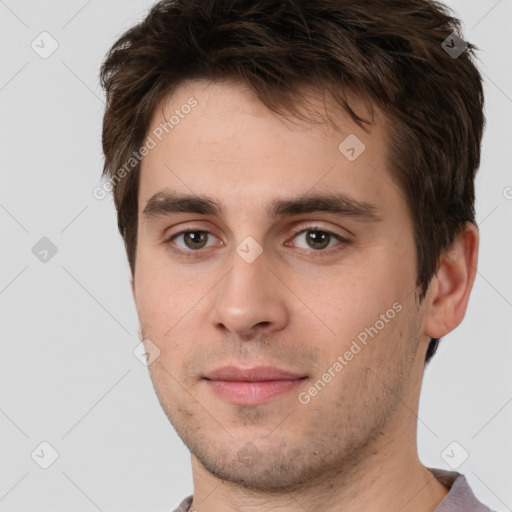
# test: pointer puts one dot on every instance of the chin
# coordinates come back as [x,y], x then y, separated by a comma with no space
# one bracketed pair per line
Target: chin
[270,469]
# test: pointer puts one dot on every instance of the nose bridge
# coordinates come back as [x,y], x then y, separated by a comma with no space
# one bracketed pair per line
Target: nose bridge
[249,295]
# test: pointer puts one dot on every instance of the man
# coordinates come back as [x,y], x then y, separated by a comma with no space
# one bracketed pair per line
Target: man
[294,183]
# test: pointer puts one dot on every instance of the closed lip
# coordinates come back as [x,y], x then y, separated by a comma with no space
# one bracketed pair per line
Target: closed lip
[257,374]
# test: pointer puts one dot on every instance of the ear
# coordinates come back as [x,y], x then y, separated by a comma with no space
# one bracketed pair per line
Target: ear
[450,288]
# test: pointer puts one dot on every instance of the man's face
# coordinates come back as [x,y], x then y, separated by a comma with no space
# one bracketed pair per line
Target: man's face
[275,279]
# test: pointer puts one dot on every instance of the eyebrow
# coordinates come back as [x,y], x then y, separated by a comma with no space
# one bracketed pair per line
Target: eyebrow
[167,203]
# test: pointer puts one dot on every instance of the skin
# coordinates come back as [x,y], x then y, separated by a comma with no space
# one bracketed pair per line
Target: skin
[353,446]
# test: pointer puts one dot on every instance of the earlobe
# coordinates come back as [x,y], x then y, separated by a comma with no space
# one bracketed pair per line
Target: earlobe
[450,289]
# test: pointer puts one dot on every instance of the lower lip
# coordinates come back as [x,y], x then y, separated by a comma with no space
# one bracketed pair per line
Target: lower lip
[252,393]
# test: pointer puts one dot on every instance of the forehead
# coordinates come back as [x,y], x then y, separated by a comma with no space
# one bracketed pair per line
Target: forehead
[218,139]
[225,106]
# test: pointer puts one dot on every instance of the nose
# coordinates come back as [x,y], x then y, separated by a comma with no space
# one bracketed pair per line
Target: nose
[250,299]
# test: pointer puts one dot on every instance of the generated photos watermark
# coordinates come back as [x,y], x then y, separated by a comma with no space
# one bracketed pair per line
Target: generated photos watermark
[357,345]
[101,191]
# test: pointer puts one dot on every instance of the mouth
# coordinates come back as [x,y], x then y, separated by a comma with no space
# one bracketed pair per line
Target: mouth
[251,386]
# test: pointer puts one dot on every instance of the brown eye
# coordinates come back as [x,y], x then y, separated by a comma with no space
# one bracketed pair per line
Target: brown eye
[192,240]
[318,239]
[195,239]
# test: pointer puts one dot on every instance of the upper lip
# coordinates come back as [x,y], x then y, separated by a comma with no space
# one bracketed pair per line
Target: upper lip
[257,374]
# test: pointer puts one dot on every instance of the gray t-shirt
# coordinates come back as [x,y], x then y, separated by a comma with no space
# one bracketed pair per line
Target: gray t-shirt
[460,498]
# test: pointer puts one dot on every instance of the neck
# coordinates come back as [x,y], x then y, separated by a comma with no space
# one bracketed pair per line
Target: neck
[383,482]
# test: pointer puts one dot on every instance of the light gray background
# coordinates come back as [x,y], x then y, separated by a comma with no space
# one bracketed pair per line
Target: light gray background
[68,326]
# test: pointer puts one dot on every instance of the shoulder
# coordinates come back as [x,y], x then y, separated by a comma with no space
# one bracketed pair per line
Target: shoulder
[184,505]
[460,497]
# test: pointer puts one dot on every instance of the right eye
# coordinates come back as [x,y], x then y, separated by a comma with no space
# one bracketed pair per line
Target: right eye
[191,241]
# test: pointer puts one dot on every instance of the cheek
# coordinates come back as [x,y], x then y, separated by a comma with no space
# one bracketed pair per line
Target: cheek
[172,310]
[347,303]
[161,299]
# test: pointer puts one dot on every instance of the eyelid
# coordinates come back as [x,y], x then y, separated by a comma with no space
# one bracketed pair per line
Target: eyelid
[187,229]
[316,227]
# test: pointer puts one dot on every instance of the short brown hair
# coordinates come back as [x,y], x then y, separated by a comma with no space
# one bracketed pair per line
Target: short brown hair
[388,51]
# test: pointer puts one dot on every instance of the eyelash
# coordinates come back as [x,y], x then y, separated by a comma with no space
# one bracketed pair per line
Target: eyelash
[318,253]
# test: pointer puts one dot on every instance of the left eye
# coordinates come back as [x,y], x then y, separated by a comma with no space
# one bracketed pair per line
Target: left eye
[317,239]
